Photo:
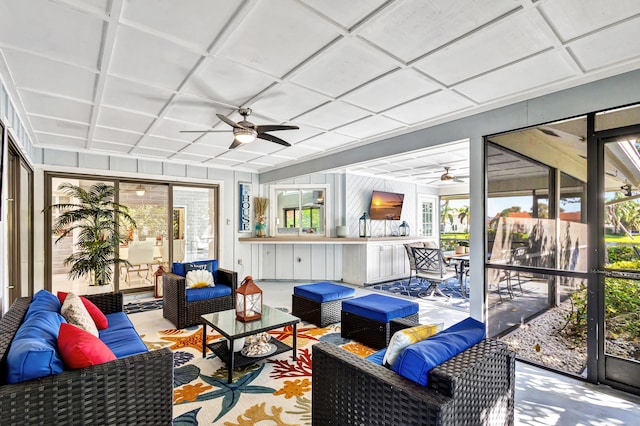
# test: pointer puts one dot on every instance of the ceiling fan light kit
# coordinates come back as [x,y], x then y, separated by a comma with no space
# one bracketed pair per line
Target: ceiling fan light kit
[243,135]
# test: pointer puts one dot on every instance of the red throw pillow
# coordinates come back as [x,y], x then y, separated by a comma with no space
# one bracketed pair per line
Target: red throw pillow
[96,314]
[80,349]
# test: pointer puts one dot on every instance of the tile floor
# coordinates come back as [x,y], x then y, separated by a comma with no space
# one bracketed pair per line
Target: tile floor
[542,397]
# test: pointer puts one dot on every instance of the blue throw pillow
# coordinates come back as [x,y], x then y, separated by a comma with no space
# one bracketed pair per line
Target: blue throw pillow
[43,301]
[415,361]
[34,350]
[179,268]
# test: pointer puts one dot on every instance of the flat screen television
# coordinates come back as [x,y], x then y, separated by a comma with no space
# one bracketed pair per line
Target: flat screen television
[386,205]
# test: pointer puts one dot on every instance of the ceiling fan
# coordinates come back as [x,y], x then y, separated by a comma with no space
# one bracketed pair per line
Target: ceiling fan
[245,132]
[449,177]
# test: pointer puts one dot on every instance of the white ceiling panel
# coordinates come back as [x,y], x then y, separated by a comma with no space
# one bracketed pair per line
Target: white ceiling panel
[333,115]
[286,101]
[55,31]
[520,77]
[41,74]
[126,120]
[51,106]
[346,13]
[391,90]
[110,147]
[513,38]
[119,136]
[610,46]
[350,61]
[204,149]
[295,136]
[121,93]
[48,125]
[190,158]
[430,106]
[261,147]
[299,150]
[194,109]
[573,18]
[194,21]
[270,160]
[300,32]
[411,28]
[220,140]
[327,141]
[153,152]
[168,128]
[370,126]
[227,81]
[238,155]
[58,141]
[150,58]
[155,142]
[223,163]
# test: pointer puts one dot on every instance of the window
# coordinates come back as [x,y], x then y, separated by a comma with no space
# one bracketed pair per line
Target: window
[299,210]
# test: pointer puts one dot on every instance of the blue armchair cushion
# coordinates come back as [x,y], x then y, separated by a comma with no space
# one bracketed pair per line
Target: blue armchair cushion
[415,361]
[205,293]
[323,291]
[181,268]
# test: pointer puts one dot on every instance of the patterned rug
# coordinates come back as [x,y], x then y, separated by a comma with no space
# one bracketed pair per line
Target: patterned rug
[416,287]
[275,391]
[135,307]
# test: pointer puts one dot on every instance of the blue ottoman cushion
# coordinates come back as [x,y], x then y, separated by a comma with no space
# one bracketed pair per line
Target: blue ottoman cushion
[380,308]
[415,361]
[323,291]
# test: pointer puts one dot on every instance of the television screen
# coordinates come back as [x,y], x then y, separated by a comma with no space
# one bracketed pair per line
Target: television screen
[386,205]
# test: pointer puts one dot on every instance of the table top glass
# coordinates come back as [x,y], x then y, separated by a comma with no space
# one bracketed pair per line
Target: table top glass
[226,323]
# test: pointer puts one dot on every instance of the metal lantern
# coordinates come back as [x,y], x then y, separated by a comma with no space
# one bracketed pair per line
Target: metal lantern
[158,280]
[248,301]
[404,229]
[365,225]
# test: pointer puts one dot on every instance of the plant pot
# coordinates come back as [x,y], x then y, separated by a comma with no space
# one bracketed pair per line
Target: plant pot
[459,249]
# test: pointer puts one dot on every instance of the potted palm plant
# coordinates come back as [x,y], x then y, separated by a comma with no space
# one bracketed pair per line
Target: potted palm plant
[94,222]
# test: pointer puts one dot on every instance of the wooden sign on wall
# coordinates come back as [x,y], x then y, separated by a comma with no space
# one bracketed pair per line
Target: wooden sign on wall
[244,224]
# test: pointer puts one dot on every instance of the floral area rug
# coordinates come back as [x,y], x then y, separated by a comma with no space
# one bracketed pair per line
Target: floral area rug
[274,391]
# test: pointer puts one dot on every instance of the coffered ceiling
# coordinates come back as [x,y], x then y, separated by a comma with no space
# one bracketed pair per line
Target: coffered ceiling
[124,77]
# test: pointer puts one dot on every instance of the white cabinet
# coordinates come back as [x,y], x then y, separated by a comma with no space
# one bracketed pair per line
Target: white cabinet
[375,260]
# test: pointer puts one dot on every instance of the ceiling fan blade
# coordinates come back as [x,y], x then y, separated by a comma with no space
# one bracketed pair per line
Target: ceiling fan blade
[203,131]
[235,144]
[229,121]
[274,127]
[272,138]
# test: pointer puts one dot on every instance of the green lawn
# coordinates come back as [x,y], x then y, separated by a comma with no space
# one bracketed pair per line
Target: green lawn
[621,239]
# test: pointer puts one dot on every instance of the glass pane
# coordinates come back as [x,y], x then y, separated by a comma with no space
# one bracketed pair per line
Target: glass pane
[63,249]
[556,338]
[145,246]
[312,212]
[300,211]
[622,239]
[454,222]
[288,211]
[427,218]
[195,234]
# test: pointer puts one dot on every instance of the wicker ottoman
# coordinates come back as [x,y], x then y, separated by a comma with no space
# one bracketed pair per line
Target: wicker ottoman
[366,319]
[319,303]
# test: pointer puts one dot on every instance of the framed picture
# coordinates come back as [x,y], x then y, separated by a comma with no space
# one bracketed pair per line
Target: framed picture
[244,199]
[178,222]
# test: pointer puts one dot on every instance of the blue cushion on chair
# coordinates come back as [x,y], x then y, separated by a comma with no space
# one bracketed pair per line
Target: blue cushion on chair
[180,268]
[415,361]
[380,308]
[205,293]
[377,357]
[43,301]
[323,291]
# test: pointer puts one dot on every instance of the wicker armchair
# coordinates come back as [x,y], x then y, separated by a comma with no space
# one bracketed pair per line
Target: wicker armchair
[476,387]
[185,314]
[133,390]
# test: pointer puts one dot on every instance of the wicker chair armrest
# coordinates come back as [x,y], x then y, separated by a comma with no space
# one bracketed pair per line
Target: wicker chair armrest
[133,390]
[228,277]
[400,323]
[169,279]
[108,303]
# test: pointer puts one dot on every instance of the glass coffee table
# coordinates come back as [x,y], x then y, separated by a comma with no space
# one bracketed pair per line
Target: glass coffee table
[225,323]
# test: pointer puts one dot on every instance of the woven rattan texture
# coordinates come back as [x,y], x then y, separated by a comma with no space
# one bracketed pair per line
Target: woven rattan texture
[372,333]
[134,390]
[319,313]
[349,390]
[184,314]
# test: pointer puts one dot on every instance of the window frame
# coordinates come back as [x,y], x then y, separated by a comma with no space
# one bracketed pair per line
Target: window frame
[298,211]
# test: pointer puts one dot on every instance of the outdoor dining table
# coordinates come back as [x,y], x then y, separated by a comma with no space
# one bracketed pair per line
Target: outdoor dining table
[462,263]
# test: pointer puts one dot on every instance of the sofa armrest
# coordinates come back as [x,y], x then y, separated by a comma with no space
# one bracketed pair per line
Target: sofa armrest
[108,303]
[133,390]
[228,277]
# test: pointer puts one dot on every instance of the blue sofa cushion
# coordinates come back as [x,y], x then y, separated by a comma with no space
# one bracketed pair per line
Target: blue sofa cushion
[415,361]
[117,321]
[34,349]
[324,291]
[123,342]
[377,357]
[380,308]
[205,293]
[180,268]
[43,301]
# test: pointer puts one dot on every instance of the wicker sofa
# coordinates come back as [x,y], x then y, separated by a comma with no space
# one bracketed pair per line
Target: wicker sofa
[184,314]
[476,387]
[137,389]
